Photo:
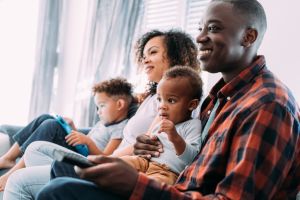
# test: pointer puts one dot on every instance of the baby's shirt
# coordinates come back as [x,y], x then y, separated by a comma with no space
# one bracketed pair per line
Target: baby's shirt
[190,131]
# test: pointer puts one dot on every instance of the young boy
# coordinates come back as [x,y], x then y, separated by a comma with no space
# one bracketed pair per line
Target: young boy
[178,94]
[112,98]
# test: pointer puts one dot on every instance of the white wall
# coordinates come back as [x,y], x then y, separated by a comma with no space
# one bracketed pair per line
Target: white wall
[282,42]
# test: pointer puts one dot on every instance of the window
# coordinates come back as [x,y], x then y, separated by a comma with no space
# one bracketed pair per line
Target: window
[19,20]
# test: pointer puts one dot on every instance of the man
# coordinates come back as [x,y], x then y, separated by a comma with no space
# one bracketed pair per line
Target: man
[250,139]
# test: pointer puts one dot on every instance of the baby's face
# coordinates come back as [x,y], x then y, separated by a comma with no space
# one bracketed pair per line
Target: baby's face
[174,99]
[106,107]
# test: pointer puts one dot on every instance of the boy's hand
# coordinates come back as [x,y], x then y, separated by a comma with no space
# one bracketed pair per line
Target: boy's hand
[168,127]
[76,138]
[70,122]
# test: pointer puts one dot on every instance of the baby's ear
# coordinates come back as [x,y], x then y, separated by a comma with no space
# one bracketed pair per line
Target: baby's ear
[193,104]
[121,104]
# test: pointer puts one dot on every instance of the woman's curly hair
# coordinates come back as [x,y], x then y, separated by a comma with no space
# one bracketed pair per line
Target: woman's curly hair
[181,50]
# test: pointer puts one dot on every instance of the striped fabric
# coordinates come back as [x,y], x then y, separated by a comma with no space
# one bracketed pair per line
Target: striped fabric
[253,145]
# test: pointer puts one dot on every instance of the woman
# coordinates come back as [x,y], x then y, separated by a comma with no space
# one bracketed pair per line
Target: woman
[156,52]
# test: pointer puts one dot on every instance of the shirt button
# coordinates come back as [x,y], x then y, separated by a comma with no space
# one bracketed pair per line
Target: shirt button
[208,112]
[228,98]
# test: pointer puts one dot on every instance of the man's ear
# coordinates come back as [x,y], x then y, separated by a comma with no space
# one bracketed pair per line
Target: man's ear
[193,104]
[121,104]
[250,36]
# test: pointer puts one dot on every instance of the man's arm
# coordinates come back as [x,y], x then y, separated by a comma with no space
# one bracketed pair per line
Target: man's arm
[256,155]
[263,150]
[259,161]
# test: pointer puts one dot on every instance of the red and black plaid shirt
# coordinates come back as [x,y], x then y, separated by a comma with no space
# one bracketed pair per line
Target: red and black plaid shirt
[253,145]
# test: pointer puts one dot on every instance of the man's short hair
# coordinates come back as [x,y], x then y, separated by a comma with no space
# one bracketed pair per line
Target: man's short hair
[253,12]
[191,75]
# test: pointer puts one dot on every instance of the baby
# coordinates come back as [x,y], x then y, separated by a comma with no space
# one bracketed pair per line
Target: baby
[178,94]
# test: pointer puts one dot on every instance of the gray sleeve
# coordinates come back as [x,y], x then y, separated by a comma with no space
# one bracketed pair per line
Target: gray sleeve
[117,130]
[191,134]
[117,134]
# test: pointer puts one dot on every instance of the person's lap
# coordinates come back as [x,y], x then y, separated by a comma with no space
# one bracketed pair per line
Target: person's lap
[25,183]
[66,188]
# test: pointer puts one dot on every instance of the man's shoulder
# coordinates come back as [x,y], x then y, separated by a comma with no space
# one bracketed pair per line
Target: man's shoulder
[267,88]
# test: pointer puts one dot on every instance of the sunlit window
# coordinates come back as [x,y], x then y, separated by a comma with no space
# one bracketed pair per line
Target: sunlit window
[18,21]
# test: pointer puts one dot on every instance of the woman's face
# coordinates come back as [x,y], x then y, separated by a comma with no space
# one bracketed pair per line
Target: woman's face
[155,61]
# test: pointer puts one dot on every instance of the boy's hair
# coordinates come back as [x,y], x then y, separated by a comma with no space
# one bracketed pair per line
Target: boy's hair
[193,77]
[115,87]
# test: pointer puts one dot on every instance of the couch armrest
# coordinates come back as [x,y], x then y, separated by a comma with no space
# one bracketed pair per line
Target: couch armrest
[4,143]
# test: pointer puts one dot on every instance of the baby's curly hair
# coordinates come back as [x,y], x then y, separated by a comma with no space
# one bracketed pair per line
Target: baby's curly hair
[193,77]
[115,87]
[181,50]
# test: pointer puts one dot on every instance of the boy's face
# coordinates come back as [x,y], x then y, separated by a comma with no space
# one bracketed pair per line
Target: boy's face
[107,107]
[174,99]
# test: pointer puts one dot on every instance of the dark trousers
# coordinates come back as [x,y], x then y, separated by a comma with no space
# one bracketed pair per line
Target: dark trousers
[43,128]
[10,130]
[61,169]
[66,188]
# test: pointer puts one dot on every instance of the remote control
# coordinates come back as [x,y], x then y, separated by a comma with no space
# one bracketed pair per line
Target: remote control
[81,148]
[72,158]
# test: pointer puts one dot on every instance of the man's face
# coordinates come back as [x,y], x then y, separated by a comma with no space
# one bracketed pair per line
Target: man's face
[220,39]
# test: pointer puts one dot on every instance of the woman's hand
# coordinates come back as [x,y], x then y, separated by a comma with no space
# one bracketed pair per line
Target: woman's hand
[76,138]
[147,146]
[110,173]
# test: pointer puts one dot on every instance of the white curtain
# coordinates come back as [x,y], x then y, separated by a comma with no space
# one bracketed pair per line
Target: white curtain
[111,28]
[110,34]
[46,57]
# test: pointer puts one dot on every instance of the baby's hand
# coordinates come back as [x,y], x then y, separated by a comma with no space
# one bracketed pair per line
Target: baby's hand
[168,127]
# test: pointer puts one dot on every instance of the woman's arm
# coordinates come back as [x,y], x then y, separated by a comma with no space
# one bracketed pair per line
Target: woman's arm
[125,151]
[111,146]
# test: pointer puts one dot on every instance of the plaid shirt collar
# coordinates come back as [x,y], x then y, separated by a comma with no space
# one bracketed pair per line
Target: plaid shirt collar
[222,89]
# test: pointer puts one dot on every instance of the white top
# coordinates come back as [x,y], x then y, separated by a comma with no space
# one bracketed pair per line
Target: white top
[101,134]
[139,123]
[190,131]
